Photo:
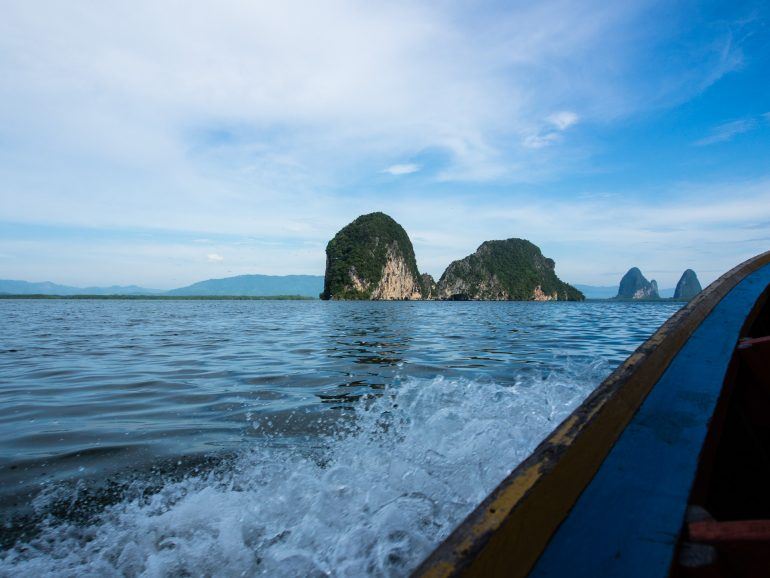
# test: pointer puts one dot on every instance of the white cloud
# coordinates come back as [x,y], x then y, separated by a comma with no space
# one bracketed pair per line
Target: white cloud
[327,88]
[556,124]
[215,257]
[538,141]
[563,120]
[256,118]
[404,169]
[726,131]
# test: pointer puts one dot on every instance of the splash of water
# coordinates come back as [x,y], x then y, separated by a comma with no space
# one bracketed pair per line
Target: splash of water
[372,498]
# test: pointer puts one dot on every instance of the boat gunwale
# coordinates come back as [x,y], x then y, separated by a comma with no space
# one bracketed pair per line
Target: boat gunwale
[521,514]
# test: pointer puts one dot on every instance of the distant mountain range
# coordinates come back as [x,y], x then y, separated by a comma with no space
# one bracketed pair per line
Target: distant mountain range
[10,287]
[241,285]
[256,286]
[599,292]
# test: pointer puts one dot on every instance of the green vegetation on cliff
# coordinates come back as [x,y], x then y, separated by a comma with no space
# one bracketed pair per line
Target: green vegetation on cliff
[513,269]
[428,286]
[360,251]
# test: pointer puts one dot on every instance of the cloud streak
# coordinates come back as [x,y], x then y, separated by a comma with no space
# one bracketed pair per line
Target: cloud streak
[403,169]
[551,133]
[727,131]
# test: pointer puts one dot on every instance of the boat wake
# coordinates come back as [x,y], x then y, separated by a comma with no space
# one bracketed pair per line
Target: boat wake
[373,497]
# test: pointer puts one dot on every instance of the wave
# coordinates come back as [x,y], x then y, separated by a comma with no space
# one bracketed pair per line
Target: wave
[373,497]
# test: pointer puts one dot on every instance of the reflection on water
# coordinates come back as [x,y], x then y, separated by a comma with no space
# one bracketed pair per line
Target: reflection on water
[114,393]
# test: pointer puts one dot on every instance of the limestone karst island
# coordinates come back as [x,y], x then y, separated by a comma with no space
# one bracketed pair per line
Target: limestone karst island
[635,286]
[372,258]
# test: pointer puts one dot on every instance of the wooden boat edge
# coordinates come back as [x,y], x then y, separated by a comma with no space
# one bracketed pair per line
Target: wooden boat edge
[517,519]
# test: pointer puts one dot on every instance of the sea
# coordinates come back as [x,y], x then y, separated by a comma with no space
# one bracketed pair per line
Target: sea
[277,438]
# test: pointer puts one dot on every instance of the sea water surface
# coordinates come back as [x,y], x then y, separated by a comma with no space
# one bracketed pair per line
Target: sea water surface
[276,438]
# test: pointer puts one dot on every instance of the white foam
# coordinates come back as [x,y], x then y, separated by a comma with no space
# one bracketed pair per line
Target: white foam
[374,499]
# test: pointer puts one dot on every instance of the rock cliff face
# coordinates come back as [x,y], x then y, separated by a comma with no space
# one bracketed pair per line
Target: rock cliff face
[634,285]
[371,258]
[688,286]
[513,269]
[428,286]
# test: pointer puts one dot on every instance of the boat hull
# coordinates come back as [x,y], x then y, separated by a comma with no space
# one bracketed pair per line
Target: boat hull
[528,524]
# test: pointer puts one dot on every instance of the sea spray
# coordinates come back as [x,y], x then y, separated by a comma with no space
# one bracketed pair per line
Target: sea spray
[372,497]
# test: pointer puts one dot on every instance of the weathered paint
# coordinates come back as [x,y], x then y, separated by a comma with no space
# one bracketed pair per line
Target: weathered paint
[713,532]
[506,534]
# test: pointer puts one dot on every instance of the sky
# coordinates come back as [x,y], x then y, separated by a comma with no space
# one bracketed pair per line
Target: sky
[162,143]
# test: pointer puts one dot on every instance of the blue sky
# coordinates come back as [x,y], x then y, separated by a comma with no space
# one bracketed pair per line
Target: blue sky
[164,143]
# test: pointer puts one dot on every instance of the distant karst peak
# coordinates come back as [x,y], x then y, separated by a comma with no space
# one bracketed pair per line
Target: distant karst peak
[688,286]
[634,285]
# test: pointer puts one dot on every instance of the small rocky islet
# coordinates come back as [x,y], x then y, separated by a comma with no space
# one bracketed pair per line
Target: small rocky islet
[635,286]
[372,258]
[688,286]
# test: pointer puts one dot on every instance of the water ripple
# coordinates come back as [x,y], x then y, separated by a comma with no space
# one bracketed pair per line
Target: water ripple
[98,391]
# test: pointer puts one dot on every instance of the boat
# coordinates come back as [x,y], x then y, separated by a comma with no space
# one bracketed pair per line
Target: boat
[664,470]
